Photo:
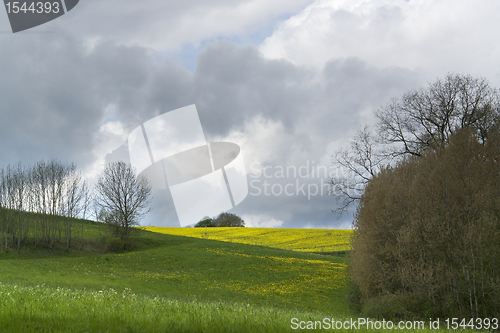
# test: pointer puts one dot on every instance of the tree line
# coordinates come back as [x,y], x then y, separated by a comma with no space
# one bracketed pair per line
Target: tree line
[427,186]
[39,204]
[34,198]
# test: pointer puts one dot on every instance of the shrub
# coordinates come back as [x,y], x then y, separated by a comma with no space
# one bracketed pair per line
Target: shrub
[115,244]
[387,306]
[427,234]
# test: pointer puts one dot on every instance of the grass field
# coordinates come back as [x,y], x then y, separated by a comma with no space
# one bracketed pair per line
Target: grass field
[170,283]
[196,274]
[303,240]
[46,309]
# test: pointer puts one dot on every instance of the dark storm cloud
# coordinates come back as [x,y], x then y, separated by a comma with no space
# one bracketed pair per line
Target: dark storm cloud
[76,93]
[57,92]
[50,106]
[234,83]
[54,93]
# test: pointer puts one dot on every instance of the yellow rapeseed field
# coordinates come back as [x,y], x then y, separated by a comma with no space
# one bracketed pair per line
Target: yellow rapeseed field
[303,240]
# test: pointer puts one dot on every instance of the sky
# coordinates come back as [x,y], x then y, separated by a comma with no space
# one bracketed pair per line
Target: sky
[289,81]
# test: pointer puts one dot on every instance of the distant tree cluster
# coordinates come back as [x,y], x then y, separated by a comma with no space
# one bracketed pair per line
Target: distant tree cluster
[32,201]
[221,220]
[205,222]
[427,184]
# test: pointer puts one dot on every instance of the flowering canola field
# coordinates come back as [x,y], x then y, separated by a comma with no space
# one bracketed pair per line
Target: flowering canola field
[303,240]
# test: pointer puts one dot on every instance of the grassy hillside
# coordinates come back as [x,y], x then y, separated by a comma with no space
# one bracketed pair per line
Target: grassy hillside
[44,309]
[169,283]
[179,279]
[189,268]
[303,240]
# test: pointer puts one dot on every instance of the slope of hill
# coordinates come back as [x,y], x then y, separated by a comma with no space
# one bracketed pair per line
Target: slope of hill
[303,240]
[169,283]
[179,280]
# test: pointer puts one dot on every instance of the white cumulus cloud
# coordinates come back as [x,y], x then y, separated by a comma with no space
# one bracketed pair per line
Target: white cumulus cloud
[438,36]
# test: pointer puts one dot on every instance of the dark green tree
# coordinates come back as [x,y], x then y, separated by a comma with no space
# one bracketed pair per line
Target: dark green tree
[205,222]
[228,220]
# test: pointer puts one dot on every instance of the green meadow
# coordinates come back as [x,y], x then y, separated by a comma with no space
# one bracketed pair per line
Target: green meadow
[168,283]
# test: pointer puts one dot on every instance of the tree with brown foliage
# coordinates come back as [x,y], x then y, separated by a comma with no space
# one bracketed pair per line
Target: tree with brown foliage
[427,184]
[427,233]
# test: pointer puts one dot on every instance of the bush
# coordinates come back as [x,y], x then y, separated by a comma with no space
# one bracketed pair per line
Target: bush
[353,294]
[427,234]
[115,244]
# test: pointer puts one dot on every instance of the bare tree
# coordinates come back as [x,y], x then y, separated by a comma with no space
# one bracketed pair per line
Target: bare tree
[87,201]
[356,165]
[428,117]
[125,197]
[75,197]
[420,120]
[98,213]
[47,191]
[20,187]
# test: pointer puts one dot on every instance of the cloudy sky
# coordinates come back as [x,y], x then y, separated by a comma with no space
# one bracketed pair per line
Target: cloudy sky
[289,81]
